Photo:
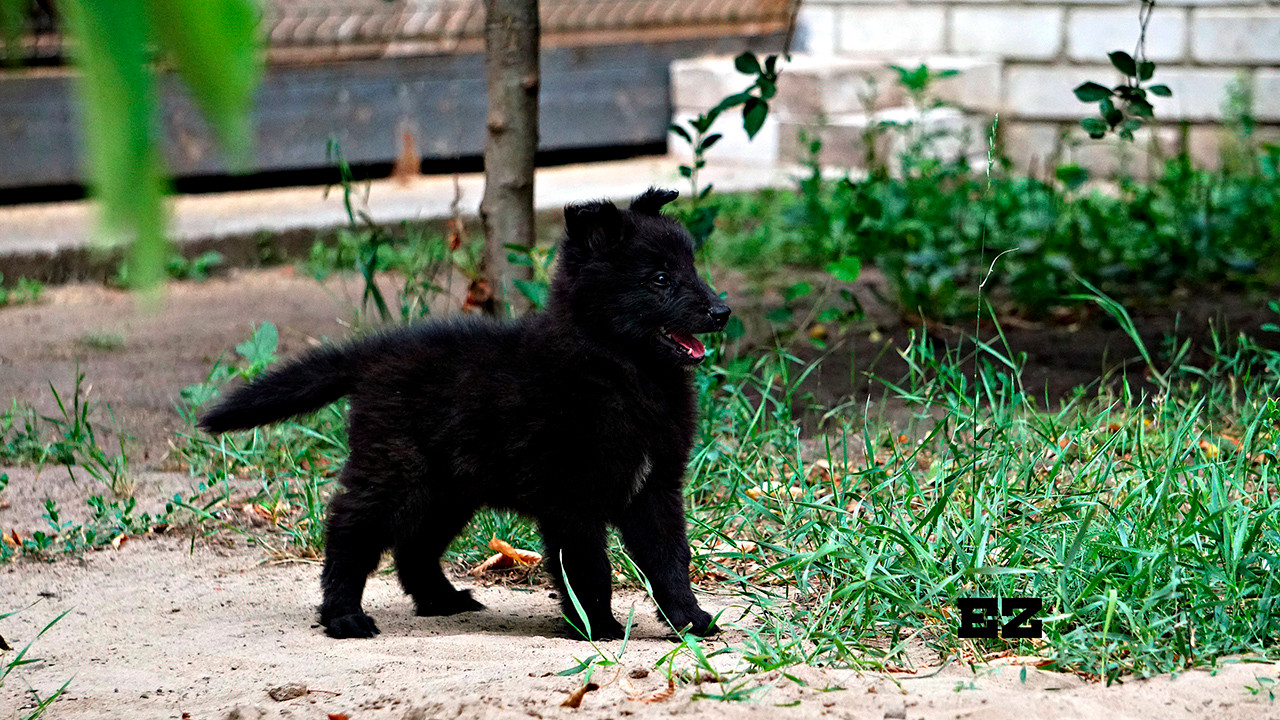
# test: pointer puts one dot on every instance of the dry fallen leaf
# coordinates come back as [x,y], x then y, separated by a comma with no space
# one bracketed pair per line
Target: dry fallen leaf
[4,645]
[507,556]
[575,697]
[119,540]
[11,538]
[338,716]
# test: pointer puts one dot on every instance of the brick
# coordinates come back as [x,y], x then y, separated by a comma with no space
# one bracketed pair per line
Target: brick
[1094,32]
[843,141]
[735,146]
[817,30]
[1037,92]
[811,87]
[897,29]
[1236,35]
[1007,32]
[976,87]
[1266,95]
[1143,157]
[699,84]
[1033,147]
[1198,93]
[1205,144]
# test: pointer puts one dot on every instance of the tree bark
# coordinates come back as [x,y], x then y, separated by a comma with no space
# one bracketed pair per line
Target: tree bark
[511,43]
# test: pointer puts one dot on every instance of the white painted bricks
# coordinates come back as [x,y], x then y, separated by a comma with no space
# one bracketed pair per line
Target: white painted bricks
[1047,91]
[1236,35]
[1024,33]
[734,146]
[871,29]
[1094,32]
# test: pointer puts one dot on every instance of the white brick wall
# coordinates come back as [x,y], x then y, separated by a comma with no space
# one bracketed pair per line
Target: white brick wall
[1047,92]
[1197,93]
[895,29]
[1266,95]
[1094,32]
[1021,33]
[1234,36]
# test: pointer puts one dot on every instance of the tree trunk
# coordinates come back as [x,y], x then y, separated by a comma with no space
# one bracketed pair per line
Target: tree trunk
[511,57]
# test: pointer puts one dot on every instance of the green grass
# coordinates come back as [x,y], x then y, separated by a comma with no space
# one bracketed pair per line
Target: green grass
[19,658]
[1150,526]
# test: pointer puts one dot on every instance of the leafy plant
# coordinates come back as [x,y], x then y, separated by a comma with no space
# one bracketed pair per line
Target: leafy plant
[1124,108]
[754,101]
[24,291]
[20,659]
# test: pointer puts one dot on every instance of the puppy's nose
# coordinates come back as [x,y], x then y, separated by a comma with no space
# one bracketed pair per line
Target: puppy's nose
[720,314]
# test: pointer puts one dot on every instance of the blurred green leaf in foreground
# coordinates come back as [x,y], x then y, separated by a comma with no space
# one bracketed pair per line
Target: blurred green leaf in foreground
[118,45]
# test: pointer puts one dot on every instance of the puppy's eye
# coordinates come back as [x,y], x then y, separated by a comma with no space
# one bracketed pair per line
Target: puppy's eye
[661,279]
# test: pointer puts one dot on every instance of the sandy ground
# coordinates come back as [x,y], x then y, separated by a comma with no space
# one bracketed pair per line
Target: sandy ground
[165,627]
[158,629]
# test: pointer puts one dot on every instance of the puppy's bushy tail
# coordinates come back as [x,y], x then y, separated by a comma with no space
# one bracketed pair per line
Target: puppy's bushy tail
[308,383]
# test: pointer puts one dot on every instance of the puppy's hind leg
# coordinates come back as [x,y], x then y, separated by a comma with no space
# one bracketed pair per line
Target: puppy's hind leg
[420,542]
[356,536]
[578,549]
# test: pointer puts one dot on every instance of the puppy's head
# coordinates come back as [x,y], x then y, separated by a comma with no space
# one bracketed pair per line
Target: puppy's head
[627,276]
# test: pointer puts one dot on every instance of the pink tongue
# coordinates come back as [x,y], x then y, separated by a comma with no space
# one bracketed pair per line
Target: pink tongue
[691,343]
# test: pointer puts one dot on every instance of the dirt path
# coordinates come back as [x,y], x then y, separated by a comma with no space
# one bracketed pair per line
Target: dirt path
[156,630]
[161,628]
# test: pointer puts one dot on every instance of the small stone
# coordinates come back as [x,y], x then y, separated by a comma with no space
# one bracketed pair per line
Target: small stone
[288,691]
[638,673]
[898,713]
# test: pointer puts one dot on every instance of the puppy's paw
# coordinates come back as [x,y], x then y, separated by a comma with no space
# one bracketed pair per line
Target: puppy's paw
[696,622]
[355,625]
[459,601]
[601,629]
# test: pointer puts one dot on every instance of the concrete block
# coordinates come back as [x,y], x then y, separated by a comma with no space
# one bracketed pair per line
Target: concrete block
[944,133]
[1094,32]
[977,86]
[1198,93]
[735,146]
[701,83]
[1266,94]
[816,30]
[844,141]
[1143,157]
[870,30]
[1046,92]
[1236,35]
[811,87]
[1032,147]
[1025,33]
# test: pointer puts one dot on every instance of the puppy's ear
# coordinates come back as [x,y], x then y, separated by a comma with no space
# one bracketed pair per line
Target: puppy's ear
[652,201]
[593,223]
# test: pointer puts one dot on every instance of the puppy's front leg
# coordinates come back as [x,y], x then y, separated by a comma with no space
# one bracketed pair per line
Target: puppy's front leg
[653,528]
[577,549]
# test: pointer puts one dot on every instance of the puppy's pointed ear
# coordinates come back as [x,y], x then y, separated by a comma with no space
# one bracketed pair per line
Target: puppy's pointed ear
[652,201]
[592,222]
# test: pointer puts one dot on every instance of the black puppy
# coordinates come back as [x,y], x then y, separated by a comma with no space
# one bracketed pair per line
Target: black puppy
[581,417]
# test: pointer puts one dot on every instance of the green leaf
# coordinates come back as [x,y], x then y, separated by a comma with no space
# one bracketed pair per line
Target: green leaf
[732,101]
[681,132]
[1123,62]
[260,349]
[1146,69]
[1095,127]
[1092,92]
[536,292]
[214,46]
[754,113]
[797,291]
[1073,176]
[846,269]
[779,316]
[1141,108]
[747,63]
[708,141]
[1160,90]
[118,97]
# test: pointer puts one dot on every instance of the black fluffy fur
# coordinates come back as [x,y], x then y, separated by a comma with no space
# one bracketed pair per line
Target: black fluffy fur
[580,417]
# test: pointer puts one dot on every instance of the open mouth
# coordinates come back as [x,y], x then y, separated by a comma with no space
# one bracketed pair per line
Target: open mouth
[688,345]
